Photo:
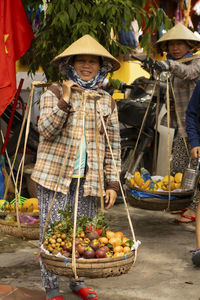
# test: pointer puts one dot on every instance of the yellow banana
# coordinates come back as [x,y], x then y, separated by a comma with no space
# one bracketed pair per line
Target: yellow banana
[137,178]
[132,181]
[146,184]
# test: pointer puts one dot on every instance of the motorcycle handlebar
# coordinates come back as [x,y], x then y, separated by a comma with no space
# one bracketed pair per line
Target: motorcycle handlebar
[147,63]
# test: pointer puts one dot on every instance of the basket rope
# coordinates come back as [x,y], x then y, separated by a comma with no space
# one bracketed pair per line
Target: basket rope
[156,128]
[21,167]
[118,177]
[168,140]
[77,193]
[178,118]
[98,155]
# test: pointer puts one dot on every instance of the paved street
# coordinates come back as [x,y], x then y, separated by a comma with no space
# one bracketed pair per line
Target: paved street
[163,269]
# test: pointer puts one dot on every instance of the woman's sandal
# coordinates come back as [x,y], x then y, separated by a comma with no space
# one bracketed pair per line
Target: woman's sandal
[180,211]
[189,219]
[78,288]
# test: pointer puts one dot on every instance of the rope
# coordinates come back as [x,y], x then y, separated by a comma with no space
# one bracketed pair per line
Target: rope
[77,193]
[186,59]
[156,128]
[168,139]
[21,166]
[118,177]
[98,154]
[178,118]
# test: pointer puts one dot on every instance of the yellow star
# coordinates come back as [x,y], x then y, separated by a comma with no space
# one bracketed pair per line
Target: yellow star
[5,39]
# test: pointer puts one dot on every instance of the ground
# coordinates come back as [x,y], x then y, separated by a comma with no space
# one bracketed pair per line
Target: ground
[163,268]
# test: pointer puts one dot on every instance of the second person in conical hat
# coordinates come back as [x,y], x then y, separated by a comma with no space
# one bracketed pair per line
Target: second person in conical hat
[78,128]
[180,44]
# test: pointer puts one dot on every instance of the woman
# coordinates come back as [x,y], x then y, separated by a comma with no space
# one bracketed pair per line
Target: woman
[67,125]
[180,43]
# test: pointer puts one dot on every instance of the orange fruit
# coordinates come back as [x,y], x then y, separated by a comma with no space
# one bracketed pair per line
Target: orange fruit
[119,234]
[103,240]
[109,234]
[118,249]
[115,241]
[127,249]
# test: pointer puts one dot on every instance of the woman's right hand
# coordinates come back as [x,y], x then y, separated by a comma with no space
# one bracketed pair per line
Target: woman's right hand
[66,86]
[195,152]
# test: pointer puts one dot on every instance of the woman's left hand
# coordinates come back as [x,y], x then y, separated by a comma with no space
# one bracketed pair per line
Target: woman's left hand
[110,199]
[195,152]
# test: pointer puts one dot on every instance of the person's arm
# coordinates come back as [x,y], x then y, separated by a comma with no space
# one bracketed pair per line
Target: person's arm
[184,71]
[112,184]
[54,110]
[192,118]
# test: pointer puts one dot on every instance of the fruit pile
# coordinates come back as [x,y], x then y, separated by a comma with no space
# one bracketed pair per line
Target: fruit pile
[174,182]
[162,184]
[25,205]
[93,238]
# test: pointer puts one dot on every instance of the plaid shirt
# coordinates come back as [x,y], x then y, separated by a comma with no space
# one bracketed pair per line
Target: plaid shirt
[60,136]
[184,79]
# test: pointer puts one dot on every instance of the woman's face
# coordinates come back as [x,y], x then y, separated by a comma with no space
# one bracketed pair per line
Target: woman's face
[86,66]
[178,48]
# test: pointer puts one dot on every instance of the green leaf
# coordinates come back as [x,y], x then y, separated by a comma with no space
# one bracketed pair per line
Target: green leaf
[66,21]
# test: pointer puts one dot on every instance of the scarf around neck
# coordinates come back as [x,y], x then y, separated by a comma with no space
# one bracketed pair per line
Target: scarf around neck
[92,84]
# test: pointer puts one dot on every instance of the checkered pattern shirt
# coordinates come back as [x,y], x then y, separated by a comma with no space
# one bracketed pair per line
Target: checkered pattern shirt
[184,79]
[60,136]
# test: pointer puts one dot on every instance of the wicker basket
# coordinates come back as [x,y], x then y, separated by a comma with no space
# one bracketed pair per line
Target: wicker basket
[92,268]
[155,203]
[30,231]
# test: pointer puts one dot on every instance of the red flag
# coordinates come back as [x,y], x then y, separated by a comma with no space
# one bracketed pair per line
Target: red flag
[15,39]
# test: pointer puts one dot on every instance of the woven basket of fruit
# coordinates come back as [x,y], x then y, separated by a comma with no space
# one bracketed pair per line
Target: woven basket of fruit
[153,194]
[28,218]
[28,231]
[92,268]
[99,252]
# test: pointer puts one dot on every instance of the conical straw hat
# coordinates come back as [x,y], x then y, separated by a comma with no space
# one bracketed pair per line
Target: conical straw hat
[86,45]
[178,32]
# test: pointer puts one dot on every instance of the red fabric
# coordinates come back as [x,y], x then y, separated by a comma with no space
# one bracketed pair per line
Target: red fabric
[15,39]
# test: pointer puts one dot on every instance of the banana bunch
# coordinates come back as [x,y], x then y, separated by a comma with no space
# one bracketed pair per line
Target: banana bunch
[137,181]
[172,183]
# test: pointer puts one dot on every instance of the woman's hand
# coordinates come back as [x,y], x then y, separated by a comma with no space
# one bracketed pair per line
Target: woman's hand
[195,152]
[66,86]
[111,196]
